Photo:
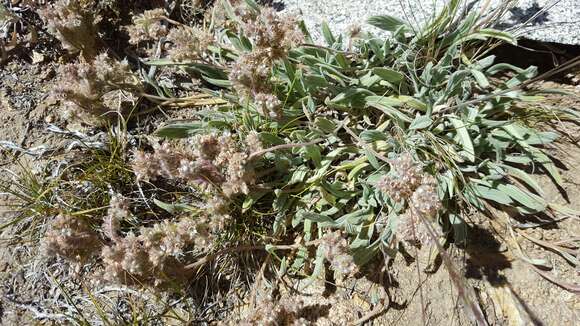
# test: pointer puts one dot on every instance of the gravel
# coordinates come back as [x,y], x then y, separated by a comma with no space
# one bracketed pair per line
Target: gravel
[558,20]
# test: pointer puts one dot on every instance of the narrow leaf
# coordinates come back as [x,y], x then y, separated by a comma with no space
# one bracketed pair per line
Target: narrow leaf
[464,138]
[387,23]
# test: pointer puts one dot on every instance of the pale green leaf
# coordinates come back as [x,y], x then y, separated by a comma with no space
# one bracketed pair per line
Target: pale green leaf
[421,122]
[464,139]
[387,23]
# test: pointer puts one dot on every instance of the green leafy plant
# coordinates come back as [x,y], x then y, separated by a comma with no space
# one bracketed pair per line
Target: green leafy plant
[340,126]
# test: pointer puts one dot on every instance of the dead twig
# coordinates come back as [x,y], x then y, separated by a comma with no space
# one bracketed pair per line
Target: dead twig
[372,314]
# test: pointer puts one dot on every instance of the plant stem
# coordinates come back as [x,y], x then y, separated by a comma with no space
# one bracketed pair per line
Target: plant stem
[257,154]
[365,146]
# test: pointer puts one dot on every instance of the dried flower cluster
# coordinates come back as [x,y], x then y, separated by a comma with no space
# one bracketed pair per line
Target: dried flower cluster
[273,37]
[336,251]
[71,237]
[409,182]
[155,255]
[354,31]
[287,311]
[250,77]
[217,162]
[117,212]
[425,200]
[412,229]
[406,176]
[147,26]
[152,257]
[188,43]
[94,88]
[73,22]
[191,9]
[253,142]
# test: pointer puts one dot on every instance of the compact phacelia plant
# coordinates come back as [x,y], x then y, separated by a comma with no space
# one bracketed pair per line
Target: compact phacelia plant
[382,138]
[343,150]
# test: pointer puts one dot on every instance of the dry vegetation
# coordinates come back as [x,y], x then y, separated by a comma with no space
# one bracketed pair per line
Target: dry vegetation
[298,162]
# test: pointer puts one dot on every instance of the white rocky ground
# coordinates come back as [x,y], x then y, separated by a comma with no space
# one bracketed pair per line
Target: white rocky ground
[555,20]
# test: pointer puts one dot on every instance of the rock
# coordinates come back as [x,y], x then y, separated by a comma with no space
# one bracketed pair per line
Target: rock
[545,20]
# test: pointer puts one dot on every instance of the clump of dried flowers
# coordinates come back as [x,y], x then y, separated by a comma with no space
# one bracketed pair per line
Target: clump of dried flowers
[73,22]
[216,163]
[147,26]
[155,256]
[408,182]
[336,251]
[405,177]
[272,37]
[188,43]
[286,311]
[98,89]
[250,75]
[152,255]
[71,237]
[117,212]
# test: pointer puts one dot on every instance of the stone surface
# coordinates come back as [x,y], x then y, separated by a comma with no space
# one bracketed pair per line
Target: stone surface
[545,20]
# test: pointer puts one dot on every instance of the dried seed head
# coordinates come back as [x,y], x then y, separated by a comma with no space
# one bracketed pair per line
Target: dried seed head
[206,146]
[71,237]
[125,261]
[408,182]
[271,34]
[189,43]
[336,251]
[253,142]
[423,206]
[216,162]
[405,177]
[268,105]
[250,75]
[144,166]
[85,86]
[425,200]
[117,212]
[272,37]
[155,256]
[227,146]
[239,175]
[167,240]
[147,26]
[354,31]
[73,22]
[203,173]
[168,160]
[412,228]
[287,311]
